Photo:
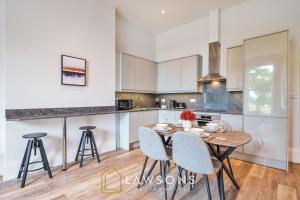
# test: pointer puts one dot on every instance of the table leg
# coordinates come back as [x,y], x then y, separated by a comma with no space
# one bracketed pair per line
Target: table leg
[64,152]
[221,158]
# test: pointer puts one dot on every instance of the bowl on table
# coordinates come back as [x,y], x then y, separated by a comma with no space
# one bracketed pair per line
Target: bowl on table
[162,127]
[211,127]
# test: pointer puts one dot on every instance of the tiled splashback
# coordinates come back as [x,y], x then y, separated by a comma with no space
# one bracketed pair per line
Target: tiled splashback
[184,98]
[214,97]
[141,100]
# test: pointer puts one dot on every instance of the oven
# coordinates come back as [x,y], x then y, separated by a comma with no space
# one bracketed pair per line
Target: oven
[205,118]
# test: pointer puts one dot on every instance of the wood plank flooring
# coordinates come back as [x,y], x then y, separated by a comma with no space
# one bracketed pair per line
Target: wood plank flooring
[256,181]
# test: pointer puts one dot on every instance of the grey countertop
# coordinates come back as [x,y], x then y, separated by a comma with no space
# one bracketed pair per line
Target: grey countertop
[46,113]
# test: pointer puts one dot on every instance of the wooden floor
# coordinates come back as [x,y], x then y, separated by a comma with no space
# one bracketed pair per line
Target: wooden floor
[257,182]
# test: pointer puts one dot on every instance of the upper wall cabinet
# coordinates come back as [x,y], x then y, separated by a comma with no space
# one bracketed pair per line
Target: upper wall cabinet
[135,74]
[173,78]
[161,77]
[179,75]
[235,69]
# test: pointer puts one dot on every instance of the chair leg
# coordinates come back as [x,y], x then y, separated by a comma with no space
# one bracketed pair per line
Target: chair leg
[207,186]
[95,147]
[180,176]
[221,185]
[26,164]
[150,170]
[176,183]
[82,149]
[160,169]
[44,158]
[78,150]
[190,181]
[23,161]
[143,170]
[164,167]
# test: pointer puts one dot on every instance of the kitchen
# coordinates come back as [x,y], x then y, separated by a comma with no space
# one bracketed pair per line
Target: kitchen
[148,70]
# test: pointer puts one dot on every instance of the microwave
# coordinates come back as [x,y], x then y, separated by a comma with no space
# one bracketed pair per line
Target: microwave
[124,104]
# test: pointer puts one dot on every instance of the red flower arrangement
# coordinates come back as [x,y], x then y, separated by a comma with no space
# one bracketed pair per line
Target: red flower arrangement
[188,115]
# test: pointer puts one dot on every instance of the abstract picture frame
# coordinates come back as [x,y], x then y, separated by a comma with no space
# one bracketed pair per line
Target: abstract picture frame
[73,71]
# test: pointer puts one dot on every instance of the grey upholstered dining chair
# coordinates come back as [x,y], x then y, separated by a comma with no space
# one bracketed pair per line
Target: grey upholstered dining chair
[198,160]
[152,146]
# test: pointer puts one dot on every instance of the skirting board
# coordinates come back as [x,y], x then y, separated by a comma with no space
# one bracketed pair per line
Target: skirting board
[278,164]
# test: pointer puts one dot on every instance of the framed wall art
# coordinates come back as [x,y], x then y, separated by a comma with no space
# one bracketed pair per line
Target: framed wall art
[73,71]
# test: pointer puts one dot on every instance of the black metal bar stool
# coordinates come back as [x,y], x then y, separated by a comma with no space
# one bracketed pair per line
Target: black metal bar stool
[86,137]
[34,141]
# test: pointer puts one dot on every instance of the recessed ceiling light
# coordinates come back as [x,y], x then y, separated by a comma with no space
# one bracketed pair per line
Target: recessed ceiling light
[163,12]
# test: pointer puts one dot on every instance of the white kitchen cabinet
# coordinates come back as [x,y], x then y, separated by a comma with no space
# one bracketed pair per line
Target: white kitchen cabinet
[235,121]
[128,124]
[136,120]
[161,77]
[173,78]
[128,72]
[145,75]
[169,116]
[235,69]
[189,73]
[179,75]
[135,74]
[269,140]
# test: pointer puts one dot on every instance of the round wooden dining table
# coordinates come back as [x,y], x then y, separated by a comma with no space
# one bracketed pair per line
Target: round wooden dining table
[221,145]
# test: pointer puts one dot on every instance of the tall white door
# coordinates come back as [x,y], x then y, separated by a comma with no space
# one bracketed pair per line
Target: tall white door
[265,99]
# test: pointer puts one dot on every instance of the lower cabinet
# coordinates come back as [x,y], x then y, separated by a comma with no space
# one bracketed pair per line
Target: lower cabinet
[169,116]
[269,140]
[128,124]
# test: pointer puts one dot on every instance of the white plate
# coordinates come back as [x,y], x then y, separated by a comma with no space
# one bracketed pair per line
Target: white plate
[159,129]
[163,125]
[197,130]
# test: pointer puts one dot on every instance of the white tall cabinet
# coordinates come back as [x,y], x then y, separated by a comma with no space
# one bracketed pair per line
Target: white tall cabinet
[265,99]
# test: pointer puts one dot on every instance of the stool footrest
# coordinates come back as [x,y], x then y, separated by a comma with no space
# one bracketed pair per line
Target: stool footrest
[86,154]
[33,170]
[36,162]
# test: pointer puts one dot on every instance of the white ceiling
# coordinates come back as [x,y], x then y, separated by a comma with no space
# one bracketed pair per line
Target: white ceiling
[147,13]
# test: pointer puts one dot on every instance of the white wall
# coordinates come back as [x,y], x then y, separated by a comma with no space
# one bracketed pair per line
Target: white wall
[134,40]
[252,18]
[2,107]
[38,32]
[189,39]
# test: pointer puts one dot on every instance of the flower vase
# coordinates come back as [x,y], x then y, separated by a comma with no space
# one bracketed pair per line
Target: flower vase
[187,125]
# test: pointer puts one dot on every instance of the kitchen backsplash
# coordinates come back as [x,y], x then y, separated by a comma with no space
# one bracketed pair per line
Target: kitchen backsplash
[185,98]
[214,97]
[141,100]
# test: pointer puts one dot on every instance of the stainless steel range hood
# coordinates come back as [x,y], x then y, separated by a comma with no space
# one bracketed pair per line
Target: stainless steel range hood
[213,64]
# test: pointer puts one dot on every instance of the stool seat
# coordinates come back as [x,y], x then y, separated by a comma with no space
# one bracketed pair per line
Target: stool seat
[85,128]
[34,135]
